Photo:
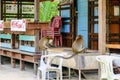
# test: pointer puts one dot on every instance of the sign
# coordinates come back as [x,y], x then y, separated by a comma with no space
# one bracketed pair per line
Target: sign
[28,9]
[18,25]
[1,25]
[116,11]
[10,8]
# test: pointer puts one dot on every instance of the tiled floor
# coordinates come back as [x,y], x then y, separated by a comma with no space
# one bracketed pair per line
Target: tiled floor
[9,73]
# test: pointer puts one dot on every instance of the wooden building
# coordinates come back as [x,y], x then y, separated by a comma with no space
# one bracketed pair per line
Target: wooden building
[79,17]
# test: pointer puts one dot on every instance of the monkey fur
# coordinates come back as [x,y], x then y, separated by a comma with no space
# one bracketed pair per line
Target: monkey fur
[78,47]
[45,42]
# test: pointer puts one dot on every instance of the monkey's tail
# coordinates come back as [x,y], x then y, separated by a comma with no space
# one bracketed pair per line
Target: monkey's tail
[62,57]
[66,57]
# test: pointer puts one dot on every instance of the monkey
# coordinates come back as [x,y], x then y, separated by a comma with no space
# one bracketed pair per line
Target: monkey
[78,47]
[45,42]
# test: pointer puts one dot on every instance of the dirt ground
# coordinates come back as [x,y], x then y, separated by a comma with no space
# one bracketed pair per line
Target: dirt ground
[9,73]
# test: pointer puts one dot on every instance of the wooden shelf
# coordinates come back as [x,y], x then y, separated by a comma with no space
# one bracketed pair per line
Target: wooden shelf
[15,54]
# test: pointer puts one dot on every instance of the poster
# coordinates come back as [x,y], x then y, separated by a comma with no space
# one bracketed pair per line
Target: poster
[1,25]
[28,9]
[18,25]
[116,10]
[10,8]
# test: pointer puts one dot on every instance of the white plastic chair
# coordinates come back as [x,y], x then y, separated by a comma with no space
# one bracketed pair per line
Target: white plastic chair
[45,66]
[106,67]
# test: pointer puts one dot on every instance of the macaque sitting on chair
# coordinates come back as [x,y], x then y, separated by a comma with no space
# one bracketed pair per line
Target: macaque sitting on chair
[45,42]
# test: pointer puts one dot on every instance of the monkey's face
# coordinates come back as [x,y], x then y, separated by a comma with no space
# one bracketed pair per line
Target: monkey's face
[50,41]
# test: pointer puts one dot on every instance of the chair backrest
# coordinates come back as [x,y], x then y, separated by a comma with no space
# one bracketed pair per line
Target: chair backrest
[106,65]
[54,27]
[56,22]
[47,60]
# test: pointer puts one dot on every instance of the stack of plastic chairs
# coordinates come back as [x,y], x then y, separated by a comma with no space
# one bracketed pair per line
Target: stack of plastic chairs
[54,30]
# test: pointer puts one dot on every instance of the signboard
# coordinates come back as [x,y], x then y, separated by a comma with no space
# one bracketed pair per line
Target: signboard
[116,11]
[1,25]
[10,8]
[18,25]
[28,9]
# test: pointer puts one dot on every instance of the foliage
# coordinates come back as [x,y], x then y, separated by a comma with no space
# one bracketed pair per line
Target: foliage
[48,10]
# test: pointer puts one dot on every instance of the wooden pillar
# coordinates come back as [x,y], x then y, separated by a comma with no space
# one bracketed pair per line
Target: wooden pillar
[102,26]
[0,10]
[36,12]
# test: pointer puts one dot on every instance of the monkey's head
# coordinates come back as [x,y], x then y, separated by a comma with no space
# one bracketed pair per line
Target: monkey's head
[78,45]
[50,40]
[79,37]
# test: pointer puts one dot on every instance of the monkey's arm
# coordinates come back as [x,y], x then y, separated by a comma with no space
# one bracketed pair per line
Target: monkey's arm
[81,51]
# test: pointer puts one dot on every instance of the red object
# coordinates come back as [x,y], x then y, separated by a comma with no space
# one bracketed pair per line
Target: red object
[54,30]
[14,1]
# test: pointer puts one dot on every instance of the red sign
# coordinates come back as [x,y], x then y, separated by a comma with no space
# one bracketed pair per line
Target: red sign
[18,25]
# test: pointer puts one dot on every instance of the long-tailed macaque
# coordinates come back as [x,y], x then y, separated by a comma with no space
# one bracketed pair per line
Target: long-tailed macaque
[45,42]
[78,47]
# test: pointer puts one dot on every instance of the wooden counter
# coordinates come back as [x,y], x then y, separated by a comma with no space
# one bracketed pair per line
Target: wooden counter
[39,25]
[15,54]
[32,33]
[113,46]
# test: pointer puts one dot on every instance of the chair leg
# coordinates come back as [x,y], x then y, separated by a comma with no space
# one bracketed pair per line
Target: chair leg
[61,75]
[61,41]
[56,41]
[57,75]
[38,75]
[43,75]
[48,75]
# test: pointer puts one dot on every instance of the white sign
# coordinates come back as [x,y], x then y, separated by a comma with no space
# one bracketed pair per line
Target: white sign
[28,9]
[11,8]
[116,10]
[18,25]
[1,25]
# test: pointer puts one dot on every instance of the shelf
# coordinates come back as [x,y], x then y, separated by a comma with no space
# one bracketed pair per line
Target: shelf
[6,40]
[26,37]
[27,43]
[6,45]
[27,48]
[5,36]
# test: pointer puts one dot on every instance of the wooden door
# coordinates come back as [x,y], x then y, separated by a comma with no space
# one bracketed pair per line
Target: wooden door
[113,20]
[93,24]
[69,19]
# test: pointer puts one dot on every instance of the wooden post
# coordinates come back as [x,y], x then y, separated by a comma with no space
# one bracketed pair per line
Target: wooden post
[102,29]
[0,10]
[36,14]
[102,26]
